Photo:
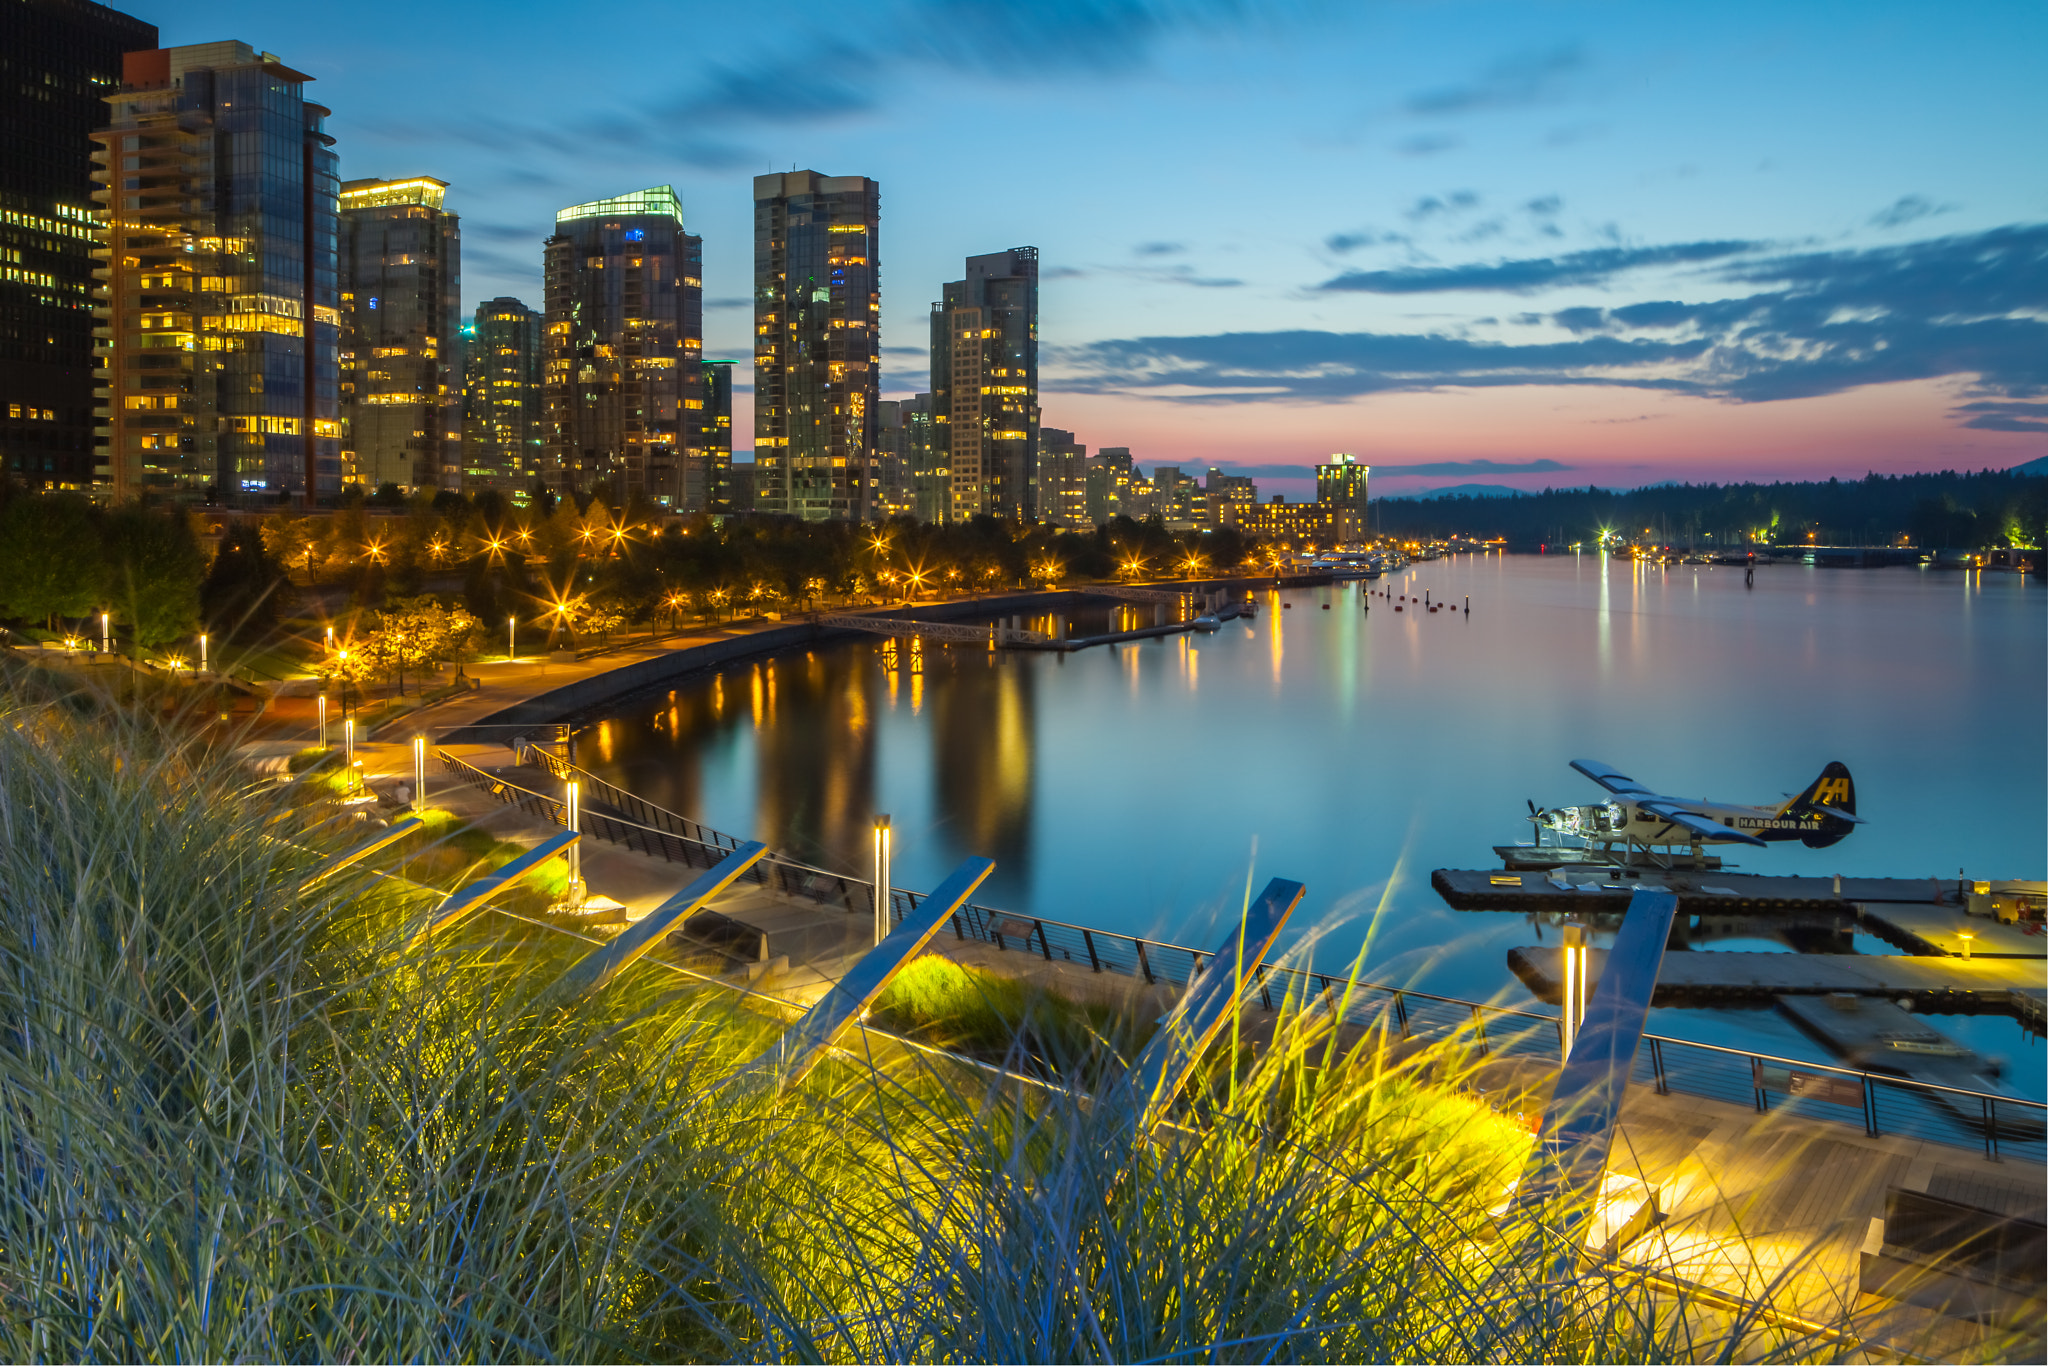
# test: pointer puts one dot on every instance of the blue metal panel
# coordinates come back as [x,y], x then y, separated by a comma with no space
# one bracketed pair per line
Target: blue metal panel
[397,831]
[1210,1000]
[804,1042]
[597,968]
[1570,1157]
[467,901]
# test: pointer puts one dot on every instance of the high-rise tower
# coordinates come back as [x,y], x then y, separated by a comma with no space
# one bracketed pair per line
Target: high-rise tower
[1343,480]
[817,343]
[502,407]
[625,345]
[58,61]
[714,439]
[401,321]
[985,385]
[218,326]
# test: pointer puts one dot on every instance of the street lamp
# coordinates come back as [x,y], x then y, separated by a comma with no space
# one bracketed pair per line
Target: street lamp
[202,653]
[882,916]
[106,634]
[323,720]
[511,639]
[419,774]
[348,751]
[1574,958]
[574,816]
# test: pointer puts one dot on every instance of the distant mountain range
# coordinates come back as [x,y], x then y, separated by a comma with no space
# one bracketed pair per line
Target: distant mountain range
[1464,491]
[2039,466]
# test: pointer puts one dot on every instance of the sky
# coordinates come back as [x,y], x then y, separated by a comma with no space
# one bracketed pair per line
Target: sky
[1521,244]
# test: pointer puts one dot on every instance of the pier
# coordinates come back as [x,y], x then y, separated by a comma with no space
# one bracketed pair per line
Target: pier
[1605,889]
[1941,985]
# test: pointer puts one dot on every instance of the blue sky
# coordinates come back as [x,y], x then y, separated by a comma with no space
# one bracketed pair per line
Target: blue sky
[1519,243]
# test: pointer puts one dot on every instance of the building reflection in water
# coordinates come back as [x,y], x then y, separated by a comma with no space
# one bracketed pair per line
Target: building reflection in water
[984,730]
[815,757]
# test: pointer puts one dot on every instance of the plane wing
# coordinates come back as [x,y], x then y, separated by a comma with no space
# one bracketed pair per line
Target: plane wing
[1613,779]
[1671,811]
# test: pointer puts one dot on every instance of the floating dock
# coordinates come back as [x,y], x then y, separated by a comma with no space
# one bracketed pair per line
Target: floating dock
[1707,891]
[2002,986]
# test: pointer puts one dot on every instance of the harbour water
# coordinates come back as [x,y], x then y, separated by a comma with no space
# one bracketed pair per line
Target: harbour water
[1139,789]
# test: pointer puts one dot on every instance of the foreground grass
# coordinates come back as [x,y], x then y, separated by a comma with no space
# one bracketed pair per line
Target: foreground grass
[237,1122]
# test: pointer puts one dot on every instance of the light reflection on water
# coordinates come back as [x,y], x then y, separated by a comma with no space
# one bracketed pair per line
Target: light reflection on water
[1124,788]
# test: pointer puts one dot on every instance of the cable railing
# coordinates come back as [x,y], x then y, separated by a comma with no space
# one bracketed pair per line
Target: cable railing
[2005,1126]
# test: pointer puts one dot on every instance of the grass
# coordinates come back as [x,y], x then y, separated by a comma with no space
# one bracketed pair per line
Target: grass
[1010,1021]
[237,1121]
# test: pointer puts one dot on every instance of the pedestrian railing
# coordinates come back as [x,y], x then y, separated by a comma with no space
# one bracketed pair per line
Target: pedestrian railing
[2004,1126]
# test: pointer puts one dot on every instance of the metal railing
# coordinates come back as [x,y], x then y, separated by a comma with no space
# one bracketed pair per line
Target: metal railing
[783,876]
[2004,1126]
[623,803]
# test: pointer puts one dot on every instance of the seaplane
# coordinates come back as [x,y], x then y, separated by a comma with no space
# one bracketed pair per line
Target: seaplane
[1637,818]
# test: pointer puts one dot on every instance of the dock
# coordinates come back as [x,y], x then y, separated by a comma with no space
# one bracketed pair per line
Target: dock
[1876,1036]
[1938,931]
[1990,986]
[1707,891]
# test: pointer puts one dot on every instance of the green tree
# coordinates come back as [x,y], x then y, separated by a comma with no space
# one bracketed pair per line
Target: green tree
[51,564]
[154,568]
[245,587]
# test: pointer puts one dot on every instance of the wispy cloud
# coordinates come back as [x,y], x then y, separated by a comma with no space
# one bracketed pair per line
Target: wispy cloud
[1524,79]
[1906,209]
[1529,275]
[1818,323]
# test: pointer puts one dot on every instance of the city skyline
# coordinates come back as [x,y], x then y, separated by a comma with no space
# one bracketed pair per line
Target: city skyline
[1473,244]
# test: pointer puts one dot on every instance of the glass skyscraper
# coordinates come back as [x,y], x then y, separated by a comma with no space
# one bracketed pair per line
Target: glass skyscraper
[502,406]
[624,376]
[985,385]
[218,326]
[1343,480]
[711,489]
[817,344]
[401,312]
[58,61]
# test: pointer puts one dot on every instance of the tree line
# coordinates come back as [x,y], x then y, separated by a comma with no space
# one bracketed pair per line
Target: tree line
[1938,511]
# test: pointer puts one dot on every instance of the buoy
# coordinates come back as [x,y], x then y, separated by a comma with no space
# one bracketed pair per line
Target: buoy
[1326,607]
[1397,607]
[1288,605]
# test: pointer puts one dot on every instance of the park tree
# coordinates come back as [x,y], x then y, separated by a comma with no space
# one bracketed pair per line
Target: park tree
[291,542]
[154,567]
[51,563]
[410,633]
[245,588]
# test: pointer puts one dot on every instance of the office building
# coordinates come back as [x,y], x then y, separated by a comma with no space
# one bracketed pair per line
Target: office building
[1062,480]
[817,343]
[1300,528]
[1343,480]
[503,409]
[623,375]
[708,475]
[921,448]
[218,325]
[59,59]
[985,385]
[401,335]
[739,486]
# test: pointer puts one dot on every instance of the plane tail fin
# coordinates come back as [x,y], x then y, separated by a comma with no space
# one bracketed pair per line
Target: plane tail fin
[1834,790]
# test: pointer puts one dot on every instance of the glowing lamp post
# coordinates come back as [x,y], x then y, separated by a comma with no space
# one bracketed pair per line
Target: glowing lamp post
[574,816]
[323,720]
[419,774]
[1966,937]
[106,634]
[1574,958]
[348,750]
[202,653]
[881,878]
[511,639]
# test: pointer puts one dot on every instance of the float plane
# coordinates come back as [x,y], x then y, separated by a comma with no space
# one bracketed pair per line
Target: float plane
[1638,817]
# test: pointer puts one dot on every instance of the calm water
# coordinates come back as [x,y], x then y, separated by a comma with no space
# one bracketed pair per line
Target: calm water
[1355,752]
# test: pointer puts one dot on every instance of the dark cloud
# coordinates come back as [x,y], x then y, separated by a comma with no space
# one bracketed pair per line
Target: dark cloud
[1432,206]
[1365,237]
[1528,78]
[1907,209]
[729,301]
[1530,275]
[1158,249]
[1545,207]
[1819,323]
[502,232]
[2005,416]
[1428,144]
[1061,273]
[905,351]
